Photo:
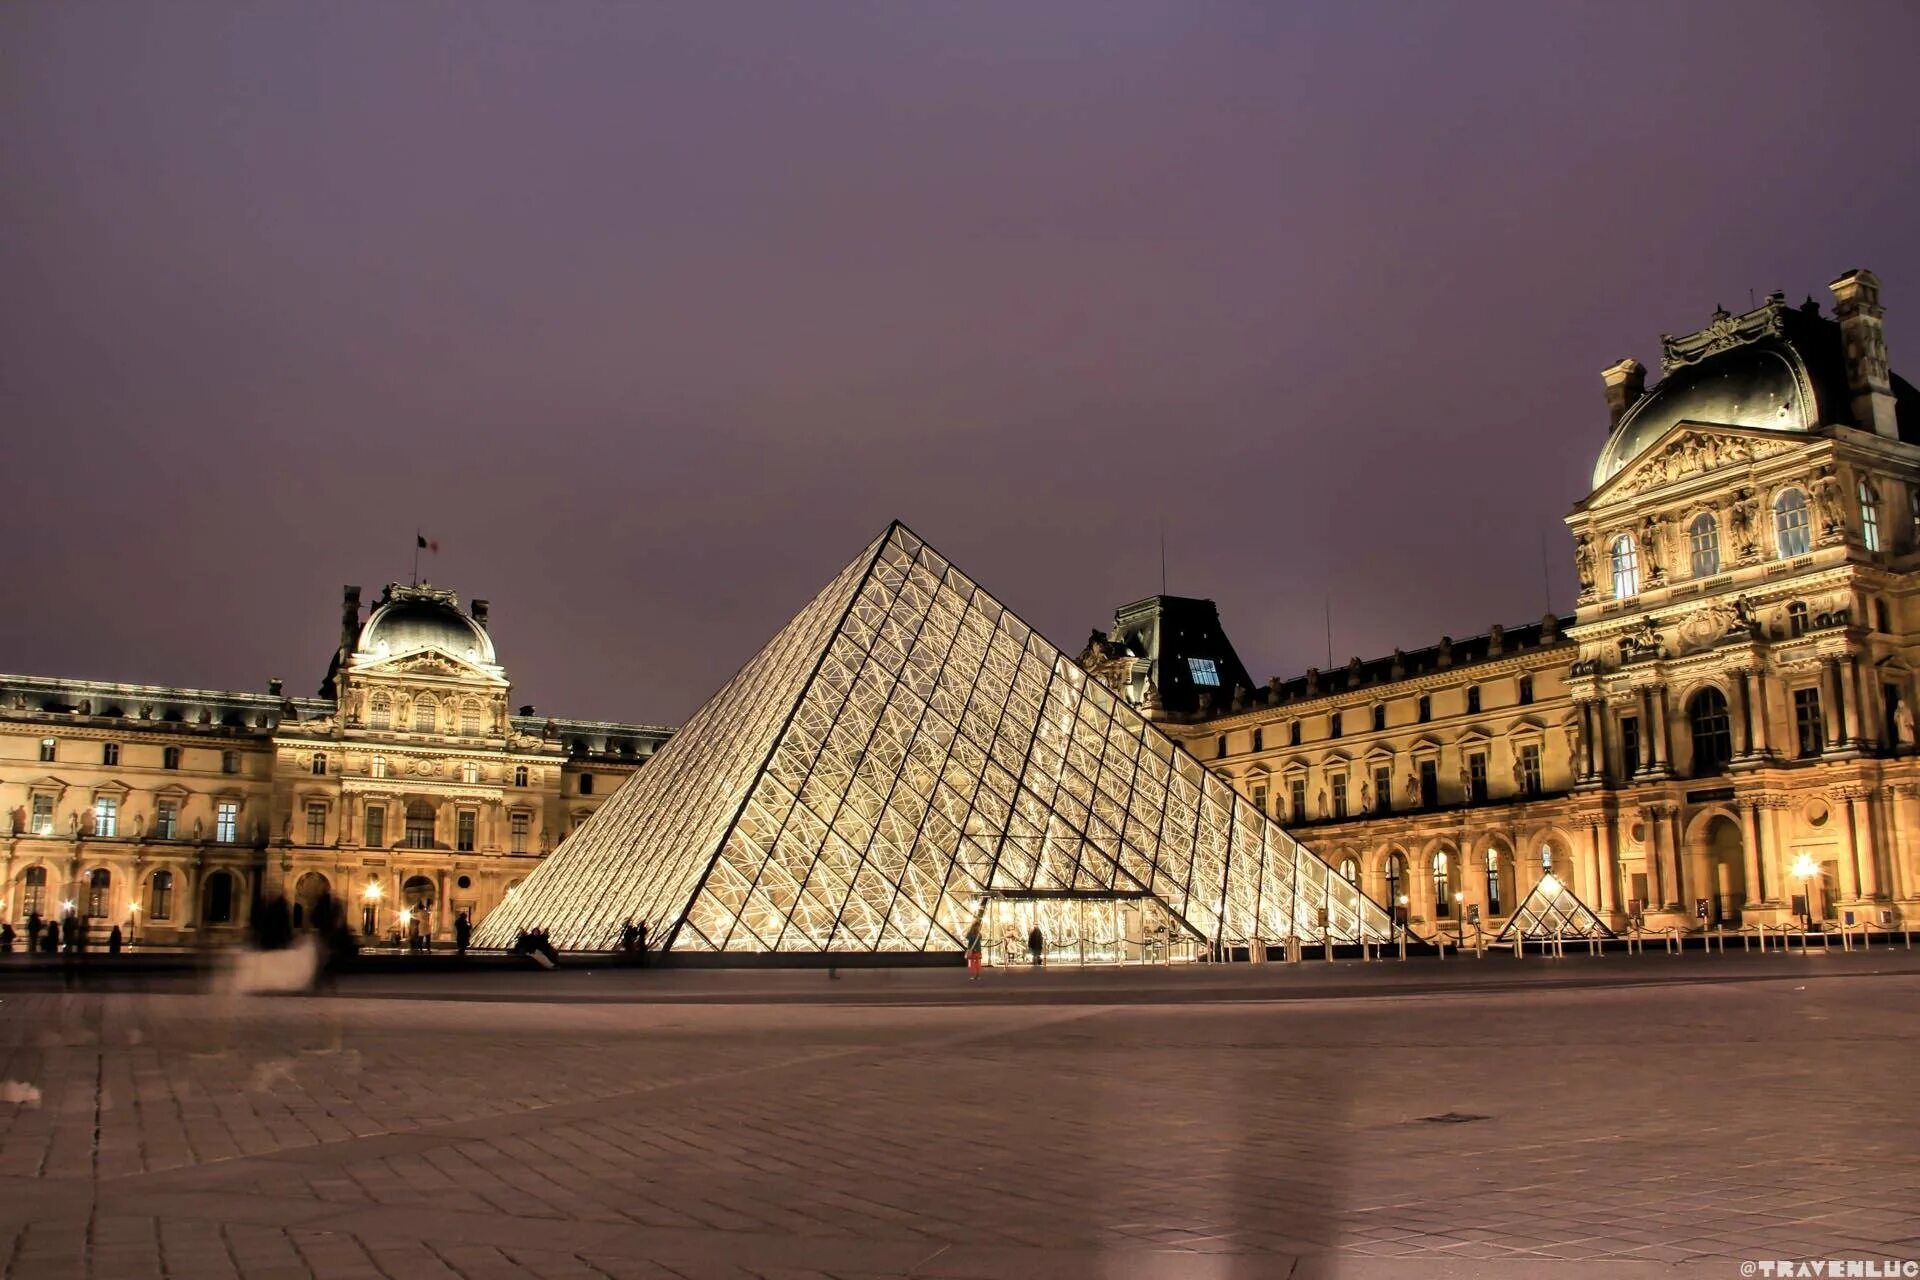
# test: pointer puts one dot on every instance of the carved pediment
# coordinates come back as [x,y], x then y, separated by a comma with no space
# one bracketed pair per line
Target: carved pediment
[1689,451]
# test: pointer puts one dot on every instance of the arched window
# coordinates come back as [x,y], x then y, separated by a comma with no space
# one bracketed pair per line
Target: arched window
[1473,699]
[377,768]
[1791,532]
[1712,734]
[319,764]
[99,889]
[1493,882]
[1526,690]
[1396,885]
[519,775]
[469,772]
[424,717]
[1350,870]
[160,896]
[219,898]
[1626,568]
[33,893]
[380,711]
[470,718]
[1703,538]
[1869,516]
[1442,885]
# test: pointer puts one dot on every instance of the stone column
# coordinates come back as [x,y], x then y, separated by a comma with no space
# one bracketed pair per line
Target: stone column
[1656,857]
[1676,854]
[1666,725]
[1756,879]
[1850,853]
[1649,749]
[1742,715]
[1859,729]
[1840,714]
[1763,742]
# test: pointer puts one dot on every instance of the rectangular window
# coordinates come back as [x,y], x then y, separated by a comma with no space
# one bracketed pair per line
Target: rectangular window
[229,762]
[1219,749]
[1340,795]
[1429,783]
[109,753]
[42,821]
[1204,672]
[586,779]
[1809,726]
[1260,797]
[1426,708]
[1379,716]
[463,840]
[106,816]
[1293,734]
[170,757]
[226,821]
[316,823]
[522,825]
[1383,789]
[319,765]
[1477,777]
[1259,737]
[166,820]
[48,750]
[1629,745]
[1530,780]
[1333,725]
[1297,800]
[376,826]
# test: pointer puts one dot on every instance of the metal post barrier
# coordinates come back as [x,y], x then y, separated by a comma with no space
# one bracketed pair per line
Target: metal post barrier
[1480,942]
[1673,942]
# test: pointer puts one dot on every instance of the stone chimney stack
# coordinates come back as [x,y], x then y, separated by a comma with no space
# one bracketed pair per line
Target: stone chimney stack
[1626,383]
[1856,305]
[349,618]
[479,613]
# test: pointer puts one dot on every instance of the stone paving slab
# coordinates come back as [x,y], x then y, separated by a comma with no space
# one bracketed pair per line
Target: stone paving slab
[1671,1126]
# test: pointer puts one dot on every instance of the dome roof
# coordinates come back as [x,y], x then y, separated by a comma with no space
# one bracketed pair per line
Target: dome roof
[410,619]
[1754,385]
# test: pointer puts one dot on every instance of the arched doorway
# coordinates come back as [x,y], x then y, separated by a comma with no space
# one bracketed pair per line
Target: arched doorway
[1717,869]
[1443,868]
[218,898]
[306,892]
[416,909]
[1395,870]
[1500,895]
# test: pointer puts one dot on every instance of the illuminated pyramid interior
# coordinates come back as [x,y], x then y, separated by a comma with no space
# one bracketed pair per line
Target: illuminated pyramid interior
[907,758]
[1553,909]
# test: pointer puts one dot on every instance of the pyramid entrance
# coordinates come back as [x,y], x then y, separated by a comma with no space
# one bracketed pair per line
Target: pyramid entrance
[905,752]
[1082,928]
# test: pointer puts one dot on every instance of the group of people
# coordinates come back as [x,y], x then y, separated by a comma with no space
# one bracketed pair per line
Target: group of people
[53,937]
[533,944]
[633,941]
[1036,949]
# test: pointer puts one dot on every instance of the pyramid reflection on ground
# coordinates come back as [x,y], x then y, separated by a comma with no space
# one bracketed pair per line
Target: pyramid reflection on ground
[902,752]
[1552,910]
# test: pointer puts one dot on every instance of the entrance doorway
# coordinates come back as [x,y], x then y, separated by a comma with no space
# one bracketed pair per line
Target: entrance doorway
[1717,869]
[1083,928]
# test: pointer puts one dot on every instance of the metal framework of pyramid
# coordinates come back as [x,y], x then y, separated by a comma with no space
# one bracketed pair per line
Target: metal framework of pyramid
[902,750]
[1550,910]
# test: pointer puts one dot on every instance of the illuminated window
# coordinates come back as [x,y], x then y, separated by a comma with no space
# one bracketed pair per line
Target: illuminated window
[33,896]
[1792,534]
[1703,541]
[1350,870]
[99,893]
[424,709]
[1442,886]
[1530,781]
[469,772]
[1626,568]
[166,820]
[226,821]
[109,753]
[377,768]
[1869,516]
[376,834]
[1493,882]
[41,821]
[470,718]
[48,749]
[106,817]
[316,822]
[319,764]
[522,824]
[465,822]
[419,825]
[380,711]
[1204,671]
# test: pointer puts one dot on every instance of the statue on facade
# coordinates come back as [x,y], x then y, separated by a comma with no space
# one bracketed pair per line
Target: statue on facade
[1466,783]
[1903,725]
[1826,498]
[1366,797]
[1574,742]
[1519,776]
[1652,536]
[1320,801]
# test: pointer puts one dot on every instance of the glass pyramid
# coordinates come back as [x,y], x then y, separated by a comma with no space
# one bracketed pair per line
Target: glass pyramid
[1550,908]
[901,752]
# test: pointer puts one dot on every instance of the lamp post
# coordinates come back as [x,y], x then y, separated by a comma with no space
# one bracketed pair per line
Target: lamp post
[406,919]
[1460,915]
[1806,868]
[133,925]
[369,909]
[1401,920]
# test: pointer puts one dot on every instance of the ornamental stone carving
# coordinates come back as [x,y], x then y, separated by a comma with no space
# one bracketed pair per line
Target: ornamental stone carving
[1692,454]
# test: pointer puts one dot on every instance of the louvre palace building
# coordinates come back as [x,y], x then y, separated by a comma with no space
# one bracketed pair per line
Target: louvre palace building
[1720,734]
[407,786]
[1724,724]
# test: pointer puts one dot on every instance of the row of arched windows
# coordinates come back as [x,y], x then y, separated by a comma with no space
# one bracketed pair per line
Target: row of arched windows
[1792,536]
[426,714]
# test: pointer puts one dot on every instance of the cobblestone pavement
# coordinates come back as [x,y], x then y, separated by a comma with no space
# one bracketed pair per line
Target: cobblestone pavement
[942,1130]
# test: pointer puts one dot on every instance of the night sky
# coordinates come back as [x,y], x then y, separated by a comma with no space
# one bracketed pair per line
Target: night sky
[653,315]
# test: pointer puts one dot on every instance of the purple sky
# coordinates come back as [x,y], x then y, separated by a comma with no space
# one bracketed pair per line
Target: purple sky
[654,315]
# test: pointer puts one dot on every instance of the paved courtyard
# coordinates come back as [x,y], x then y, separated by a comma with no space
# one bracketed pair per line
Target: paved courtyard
[1595,1117]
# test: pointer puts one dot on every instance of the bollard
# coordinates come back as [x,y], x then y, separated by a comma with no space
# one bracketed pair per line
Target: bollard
[1403,944]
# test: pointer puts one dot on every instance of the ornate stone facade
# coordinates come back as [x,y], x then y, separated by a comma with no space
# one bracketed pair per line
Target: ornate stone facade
[407,786]
[1733,699]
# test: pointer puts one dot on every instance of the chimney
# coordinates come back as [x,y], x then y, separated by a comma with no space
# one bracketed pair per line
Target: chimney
[478,612]
[274,686]
[1856,305]
[349,618]
[1626,383]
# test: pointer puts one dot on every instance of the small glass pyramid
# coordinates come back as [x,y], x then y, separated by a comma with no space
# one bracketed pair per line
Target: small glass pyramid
[901,752]
[1552,908]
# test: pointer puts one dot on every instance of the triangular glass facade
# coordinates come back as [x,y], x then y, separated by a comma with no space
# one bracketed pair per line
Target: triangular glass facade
[1552,909]
[903,749]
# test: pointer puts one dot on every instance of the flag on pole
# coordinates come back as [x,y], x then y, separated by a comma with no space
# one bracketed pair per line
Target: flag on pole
[424,543]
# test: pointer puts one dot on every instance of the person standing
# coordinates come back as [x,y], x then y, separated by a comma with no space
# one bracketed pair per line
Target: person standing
[34,925]
[640,943]
[462,931]
[6,938]
[1037,946]
[973,952]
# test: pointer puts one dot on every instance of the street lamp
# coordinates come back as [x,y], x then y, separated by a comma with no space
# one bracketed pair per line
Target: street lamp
[133,924]
[370,906]
[1460,915]
[1806,868]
